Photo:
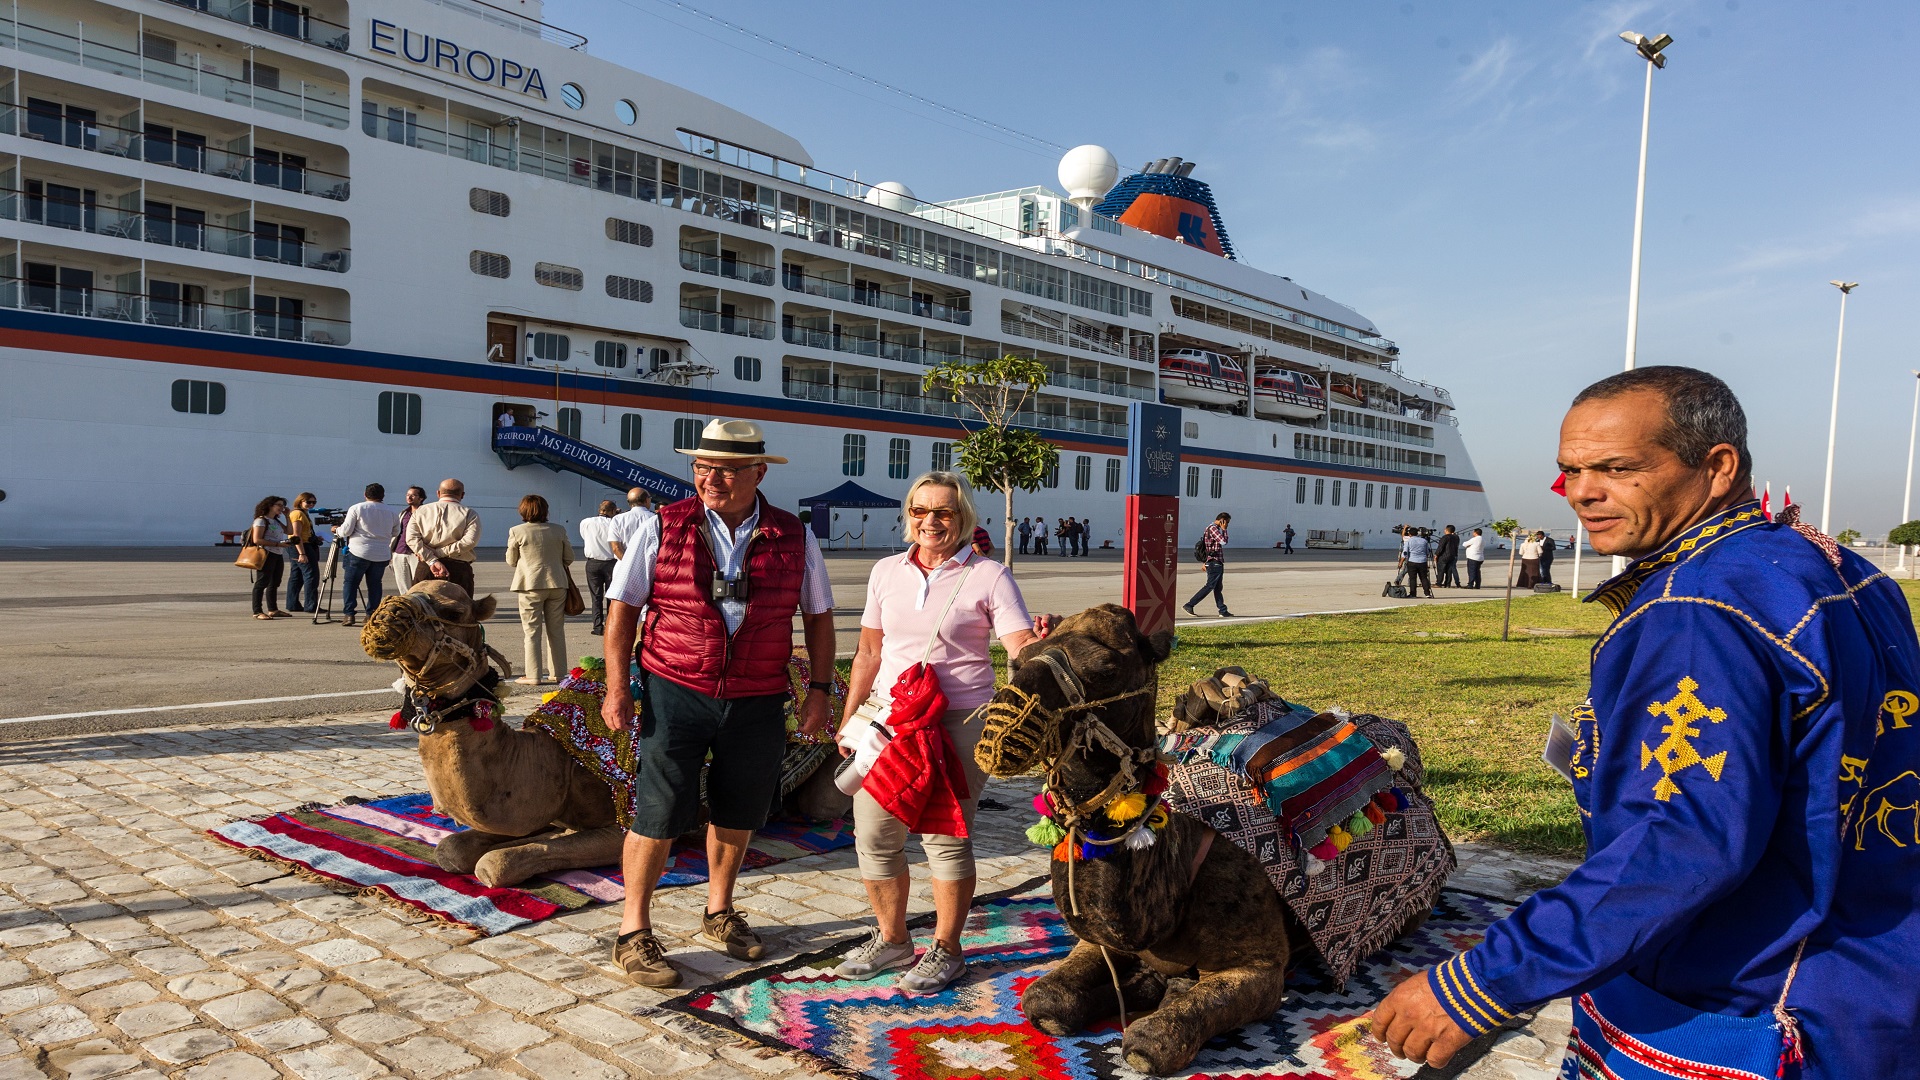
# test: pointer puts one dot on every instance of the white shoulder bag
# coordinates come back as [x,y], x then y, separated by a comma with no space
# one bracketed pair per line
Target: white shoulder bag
[867,733]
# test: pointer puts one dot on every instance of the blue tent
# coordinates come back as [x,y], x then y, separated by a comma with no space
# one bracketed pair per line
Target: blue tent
[849,495]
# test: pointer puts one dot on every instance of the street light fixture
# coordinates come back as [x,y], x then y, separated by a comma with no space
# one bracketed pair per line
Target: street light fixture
[1650,50]
[1833,418]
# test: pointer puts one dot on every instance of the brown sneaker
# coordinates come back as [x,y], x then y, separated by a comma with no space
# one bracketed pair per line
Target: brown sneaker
[644,961]
[729,929]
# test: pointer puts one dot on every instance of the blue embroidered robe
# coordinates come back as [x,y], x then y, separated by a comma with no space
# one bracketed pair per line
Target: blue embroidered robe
[1748,771]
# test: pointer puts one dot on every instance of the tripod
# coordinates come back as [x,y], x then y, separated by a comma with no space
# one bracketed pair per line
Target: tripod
[323,612]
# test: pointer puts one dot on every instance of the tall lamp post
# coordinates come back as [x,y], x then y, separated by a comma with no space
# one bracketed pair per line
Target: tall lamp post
[1650,50]
[1906,493]
[1833,418]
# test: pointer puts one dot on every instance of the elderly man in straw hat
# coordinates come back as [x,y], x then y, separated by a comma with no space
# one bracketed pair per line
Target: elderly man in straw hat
[720,575]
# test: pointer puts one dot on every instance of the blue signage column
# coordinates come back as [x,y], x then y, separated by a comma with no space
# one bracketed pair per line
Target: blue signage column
[1149,586]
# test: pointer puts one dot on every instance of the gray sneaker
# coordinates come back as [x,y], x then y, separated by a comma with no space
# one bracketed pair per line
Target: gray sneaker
[937,970]
[873,956]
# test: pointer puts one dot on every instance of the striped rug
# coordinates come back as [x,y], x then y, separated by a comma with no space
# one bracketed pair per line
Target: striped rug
[385,846]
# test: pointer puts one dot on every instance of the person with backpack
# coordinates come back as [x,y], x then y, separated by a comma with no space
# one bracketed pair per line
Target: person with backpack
[1211,549]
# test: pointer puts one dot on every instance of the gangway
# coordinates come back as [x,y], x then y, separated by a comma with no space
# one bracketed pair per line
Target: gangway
[519,446]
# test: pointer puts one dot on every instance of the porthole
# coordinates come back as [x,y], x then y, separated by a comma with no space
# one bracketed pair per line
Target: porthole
[627,113]
[575,97]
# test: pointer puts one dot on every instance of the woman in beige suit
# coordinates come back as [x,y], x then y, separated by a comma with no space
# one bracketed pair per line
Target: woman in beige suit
[539,553]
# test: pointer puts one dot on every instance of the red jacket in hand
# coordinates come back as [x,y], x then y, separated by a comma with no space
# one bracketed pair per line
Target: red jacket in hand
[918,777]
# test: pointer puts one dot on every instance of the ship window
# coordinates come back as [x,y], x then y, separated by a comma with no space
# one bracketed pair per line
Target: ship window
[1319,490]
[399,413]
[495,203]
[1426,499]
[942,457]
[1369,496]
[1397,496]
[629,232]
[853,455]
[1052,477]
[610,354]
[1192,430]
[1336,493]
[626,288]
[260,75]
[551,347]
[746,368]
[163,49]
[554,275]
[1113,474]
[899,458]
[1082,472]
[686,433]
[569,423]
[1193,481]
[1300,489]
[1219,483]
[626,112]
[658,358]
[1353,493]
[489,264]
[630,431]
[575,97]
[199,396]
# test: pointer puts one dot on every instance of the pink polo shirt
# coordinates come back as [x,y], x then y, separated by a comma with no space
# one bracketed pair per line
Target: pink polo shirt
[904,604]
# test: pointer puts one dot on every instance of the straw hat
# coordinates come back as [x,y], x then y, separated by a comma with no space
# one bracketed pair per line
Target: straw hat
[733,440]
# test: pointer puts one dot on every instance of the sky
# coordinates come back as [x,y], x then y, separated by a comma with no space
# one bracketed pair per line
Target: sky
[1460,173]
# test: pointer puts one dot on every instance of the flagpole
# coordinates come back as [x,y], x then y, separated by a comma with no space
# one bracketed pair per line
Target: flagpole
[1577,530]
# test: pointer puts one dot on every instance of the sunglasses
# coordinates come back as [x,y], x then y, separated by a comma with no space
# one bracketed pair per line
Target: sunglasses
[722,472]
[937,513]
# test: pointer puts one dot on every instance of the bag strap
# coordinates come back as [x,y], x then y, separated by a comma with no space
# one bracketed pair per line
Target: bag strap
[951,597]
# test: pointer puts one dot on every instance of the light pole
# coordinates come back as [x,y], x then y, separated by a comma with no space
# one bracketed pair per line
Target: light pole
[1650,50]
[1906,493]
[1833,418]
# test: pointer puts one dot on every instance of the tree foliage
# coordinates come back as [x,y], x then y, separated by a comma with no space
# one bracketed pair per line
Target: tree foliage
[1848,537]
[1905,535]
[1505,527]
[994,454]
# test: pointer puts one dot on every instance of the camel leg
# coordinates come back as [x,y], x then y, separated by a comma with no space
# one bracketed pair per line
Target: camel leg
[1079,993]
[514,863]
[1165,1041]
[458,853]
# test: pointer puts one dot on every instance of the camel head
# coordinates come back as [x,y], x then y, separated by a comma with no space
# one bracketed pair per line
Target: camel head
[432,631]
[1096,664]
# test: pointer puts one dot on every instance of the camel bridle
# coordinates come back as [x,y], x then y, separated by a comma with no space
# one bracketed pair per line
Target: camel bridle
[451,667]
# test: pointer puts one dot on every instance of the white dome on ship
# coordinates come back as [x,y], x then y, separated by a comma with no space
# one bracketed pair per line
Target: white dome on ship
[1088,172]
[893,195]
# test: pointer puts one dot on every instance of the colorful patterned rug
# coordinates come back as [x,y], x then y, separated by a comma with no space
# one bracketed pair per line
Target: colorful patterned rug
[386,846]
[976,1029]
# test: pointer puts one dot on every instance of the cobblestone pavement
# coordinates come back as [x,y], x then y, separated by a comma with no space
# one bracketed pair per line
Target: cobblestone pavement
[133,946]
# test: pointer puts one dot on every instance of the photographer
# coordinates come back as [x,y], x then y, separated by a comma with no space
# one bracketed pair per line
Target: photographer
[1415,549]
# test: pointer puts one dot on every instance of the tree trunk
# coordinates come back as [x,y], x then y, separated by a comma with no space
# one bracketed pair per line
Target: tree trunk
[1006,551]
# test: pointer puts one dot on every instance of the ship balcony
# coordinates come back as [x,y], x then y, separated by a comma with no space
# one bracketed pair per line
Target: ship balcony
[703,251]
[322,24]
[124,43]
[725,312]
[1110,379]
[95,285]
[840,384]
[835,280]
[819,329]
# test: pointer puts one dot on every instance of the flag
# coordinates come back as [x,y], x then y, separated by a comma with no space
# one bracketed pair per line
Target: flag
[1788,499]
[1560,486]
[1766,502]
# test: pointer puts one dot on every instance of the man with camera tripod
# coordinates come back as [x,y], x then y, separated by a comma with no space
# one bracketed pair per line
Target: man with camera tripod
[1415,549]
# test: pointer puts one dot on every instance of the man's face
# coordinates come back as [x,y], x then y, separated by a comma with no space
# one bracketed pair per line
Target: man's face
[727,486]
[416,497]
[1632,494]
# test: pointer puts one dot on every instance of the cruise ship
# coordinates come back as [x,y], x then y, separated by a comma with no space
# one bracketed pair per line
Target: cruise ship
[260,246]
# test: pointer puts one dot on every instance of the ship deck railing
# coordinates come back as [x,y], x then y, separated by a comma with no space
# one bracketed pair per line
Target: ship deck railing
[102,219]
[299,24]
[739,325]
[702,262]
[93,302]
[886,300]
[868,398]
[1369,463]
[129,144]
[1381,433]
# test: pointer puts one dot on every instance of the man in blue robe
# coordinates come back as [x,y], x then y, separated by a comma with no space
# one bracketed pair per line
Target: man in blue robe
[1748,773]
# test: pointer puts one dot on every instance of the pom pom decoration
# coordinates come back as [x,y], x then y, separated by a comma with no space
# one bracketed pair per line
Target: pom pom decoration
[1374,813]
[1315,866]
[1062,851]
[1127,807]
[1140,839]
[1400,800]
[1340,838]
[1359,826]
[1041,806]
[1159,819]
[1156,783]
[397,722]
[1324,850]
[483,716]
[1396,758]
[1045,833]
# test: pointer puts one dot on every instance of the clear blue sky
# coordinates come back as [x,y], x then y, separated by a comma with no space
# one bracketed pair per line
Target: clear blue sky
[1460,173]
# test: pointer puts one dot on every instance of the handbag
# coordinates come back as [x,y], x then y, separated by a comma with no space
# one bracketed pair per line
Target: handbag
[867,733]
[575,605]
[252,556]
[1626,1029]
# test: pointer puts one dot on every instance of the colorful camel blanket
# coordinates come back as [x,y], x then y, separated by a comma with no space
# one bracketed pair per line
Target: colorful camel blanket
[975,1028]
[385,847]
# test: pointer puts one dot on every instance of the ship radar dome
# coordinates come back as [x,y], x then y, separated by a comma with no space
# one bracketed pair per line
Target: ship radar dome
[893,195]
[1088,172]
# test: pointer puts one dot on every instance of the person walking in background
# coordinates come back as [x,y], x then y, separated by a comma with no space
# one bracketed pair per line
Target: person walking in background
[303,577]
[405,564]
[1040,536]
[596,534]
[639,510]
[369,529]
[1213,543]
[444,534]
[1026,534]
[1286,540]
[269,531]
[1529,562]
[1547,547]
[1446,555]
[1415,552]
[1086,535]
[1475,550]
[940,604]
[1062,538]
[539,553]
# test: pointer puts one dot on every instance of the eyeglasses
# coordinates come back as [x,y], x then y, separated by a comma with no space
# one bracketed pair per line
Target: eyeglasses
[722,472]
[937,513]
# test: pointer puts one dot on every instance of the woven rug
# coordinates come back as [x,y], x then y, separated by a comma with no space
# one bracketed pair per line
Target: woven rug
[975,1028]
[386,846]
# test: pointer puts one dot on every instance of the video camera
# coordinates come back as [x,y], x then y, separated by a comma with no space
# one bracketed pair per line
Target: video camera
[329,518]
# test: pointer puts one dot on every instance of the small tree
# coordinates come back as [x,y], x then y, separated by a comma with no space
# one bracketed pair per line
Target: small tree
[1508,529]
[1905,535]
[1848,537]
[996,454]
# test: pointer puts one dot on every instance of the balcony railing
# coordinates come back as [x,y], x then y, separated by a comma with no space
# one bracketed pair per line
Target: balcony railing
[739,325]
[701,262]
[68,40]
[1141,351]
[274,20]
[1103,386]
[105,220]
[131,145]
[1381,433]
[879,298]
[97,303]
[866,346]
[1369,463]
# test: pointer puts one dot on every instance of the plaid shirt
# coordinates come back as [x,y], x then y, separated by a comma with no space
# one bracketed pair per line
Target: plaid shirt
[1215,541]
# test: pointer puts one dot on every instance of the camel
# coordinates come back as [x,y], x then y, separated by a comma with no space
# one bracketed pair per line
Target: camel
[529,806]
[1081,704]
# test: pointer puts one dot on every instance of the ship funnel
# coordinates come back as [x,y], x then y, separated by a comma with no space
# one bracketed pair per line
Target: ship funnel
[1088,172]
[1186,169]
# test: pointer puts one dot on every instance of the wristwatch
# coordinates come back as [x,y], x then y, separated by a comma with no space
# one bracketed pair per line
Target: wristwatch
[823,687]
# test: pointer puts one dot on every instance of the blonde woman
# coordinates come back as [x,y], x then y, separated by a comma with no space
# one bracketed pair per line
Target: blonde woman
[539,553]
[943,603]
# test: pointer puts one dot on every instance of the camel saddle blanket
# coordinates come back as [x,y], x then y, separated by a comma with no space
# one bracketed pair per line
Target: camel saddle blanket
[1358,899]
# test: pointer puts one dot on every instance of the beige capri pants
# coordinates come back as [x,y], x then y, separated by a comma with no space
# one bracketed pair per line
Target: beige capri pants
[880,839]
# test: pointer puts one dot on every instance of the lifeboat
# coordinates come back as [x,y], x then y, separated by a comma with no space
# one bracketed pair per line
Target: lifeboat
[1202,377]
[1292,395]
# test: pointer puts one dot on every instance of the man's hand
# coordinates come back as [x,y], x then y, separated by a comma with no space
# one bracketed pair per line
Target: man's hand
[439,568]
[815,711]
[617,707]
[1414,1026]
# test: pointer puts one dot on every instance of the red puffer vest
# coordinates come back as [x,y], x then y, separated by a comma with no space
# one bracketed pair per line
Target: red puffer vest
[685,639]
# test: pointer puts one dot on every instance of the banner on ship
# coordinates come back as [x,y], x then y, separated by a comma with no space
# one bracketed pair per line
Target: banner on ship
[1150,580]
